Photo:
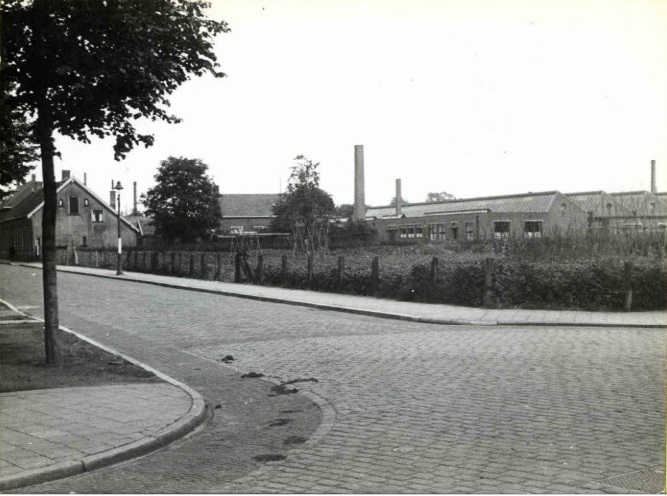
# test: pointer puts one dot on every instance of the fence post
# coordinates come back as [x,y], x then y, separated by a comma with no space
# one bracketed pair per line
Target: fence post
[375,273]
[434,269]
[341,270]
[627,277]
[309,268]
[191,271]
[488,282]
[237,268]
[218,274]
[260,268]
[283,265]
[97,260]
[202,267]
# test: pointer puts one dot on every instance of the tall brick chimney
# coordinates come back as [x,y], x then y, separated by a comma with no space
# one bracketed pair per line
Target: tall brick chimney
[359,194]
[134,208]
[654,189]
[399,199]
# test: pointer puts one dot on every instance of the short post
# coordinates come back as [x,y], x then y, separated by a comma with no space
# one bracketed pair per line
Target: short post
[341,270]
[136,256]
[97,259]
[434,269]
[202,266]
[283,273]
[375,273]
[309,268]
[218,274]
[260,268]
[237,268]
[144,266]
[191,269]
[173,262]
[488,282]
[627,277]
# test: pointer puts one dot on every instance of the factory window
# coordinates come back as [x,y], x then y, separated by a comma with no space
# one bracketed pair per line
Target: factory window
[532,229]
[470,231]
[419,232]
[98,216]
[501,229]
[74,205]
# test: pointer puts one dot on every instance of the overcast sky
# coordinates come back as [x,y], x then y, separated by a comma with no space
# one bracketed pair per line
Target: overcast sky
[472,97]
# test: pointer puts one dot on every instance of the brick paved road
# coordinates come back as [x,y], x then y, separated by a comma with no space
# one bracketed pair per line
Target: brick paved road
[417,407]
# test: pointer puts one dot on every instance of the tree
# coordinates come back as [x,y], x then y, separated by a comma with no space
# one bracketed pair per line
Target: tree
[184,204]
[305,209]
[345,210]
[392,203]
[90,67]
[17,150]
[441,196]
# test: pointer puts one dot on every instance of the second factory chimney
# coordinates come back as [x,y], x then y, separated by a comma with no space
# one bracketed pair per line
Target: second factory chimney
[399,200]
[654,189]
[134,208]
[359,196]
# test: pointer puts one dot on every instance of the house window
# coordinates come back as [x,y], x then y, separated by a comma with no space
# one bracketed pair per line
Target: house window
[236,229]
[84,240]
[470,231]
[61,203]
[532,229]
[98,215]
[73,205]
[501,229]
[86,202]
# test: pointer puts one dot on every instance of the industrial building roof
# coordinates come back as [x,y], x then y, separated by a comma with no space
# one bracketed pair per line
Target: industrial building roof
[600,203]
[641,203]
[248,205]
[527,203]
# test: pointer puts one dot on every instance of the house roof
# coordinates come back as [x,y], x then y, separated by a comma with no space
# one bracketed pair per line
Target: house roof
[143,224]
[248,205]
[29,199]
[24,200]
[527,203]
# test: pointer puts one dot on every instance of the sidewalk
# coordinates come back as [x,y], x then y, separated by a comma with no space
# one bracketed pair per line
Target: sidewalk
[53,433]
[365,305]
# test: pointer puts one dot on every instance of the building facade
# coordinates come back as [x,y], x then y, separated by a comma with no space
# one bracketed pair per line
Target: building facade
[82,220]
[246,213]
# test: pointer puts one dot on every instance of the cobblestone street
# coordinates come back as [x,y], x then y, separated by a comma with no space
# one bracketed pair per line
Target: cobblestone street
[406,407]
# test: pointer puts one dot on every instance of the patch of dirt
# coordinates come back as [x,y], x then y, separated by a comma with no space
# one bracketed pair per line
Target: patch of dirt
[295,440]
[269,458]
[22,365]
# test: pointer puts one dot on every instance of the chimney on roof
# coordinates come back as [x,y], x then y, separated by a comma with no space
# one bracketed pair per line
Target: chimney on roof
[654,189]
[85,179]
[359,196]
[399,200]
[33,178]
[65,175]
[134,209]
[112,199]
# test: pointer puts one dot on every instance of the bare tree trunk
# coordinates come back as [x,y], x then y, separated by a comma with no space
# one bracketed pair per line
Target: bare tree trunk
[49,272]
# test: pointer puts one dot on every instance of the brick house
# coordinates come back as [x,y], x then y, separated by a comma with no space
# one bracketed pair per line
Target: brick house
[82,220]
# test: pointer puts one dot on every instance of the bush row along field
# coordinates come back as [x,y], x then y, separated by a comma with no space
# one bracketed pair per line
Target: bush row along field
[560,274]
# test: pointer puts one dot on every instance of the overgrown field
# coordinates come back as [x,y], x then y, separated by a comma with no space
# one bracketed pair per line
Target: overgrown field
[585,272]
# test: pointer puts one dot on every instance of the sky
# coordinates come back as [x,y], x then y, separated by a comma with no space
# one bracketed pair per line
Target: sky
[471,97]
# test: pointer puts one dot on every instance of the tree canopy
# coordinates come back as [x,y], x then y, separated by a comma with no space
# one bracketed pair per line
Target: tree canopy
[304,209]
[184,203]
[439,196]
[85,68]
[392,203]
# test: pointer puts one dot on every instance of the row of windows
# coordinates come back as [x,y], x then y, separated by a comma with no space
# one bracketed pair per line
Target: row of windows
[439,232]
[73,204]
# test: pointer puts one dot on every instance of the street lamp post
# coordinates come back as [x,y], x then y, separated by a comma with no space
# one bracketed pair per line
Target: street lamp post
[119,272]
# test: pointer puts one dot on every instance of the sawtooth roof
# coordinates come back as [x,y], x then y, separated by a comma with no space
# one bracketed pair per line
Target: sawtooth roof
[641,203]
[597,202]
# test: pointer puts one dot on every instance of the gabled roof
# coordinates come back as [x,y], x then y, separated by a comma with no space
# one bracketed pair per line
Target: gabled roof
[144,224]
[248,205]
[641,203]
[600,203]
[23,201]
[523,203]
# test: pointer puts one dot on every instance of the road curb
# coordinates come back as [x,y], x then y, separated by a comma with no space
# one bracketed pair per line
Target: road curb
[359,311]
[184,425]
